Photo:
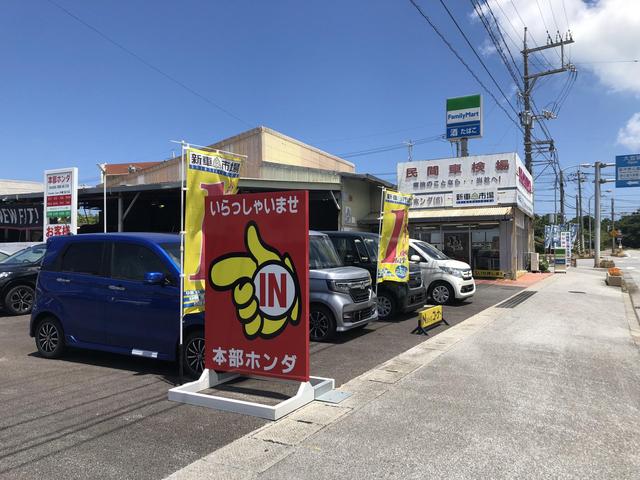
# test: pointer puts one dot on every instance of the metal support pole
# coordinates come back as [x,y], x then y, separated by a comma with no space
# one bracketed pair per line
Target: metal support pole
[596,255]
[561,186]
[382,194]
[580,209]
[590,235]
[613,228]
[464,147]
[120,219]
[104,201]
[526,98]
[181,311]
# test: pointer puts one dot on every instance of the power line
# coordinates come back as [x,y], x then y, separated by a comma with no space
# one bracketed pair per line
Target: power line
[566,18]
[424,15]
[497,23]
[148,64]
[608,61]
[496,43]
[553,15]
[475,53]
[388,148]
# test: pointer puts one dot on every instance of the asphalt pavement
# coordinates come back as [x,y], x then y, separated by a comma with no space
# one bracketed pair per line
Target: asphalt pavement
[548,388]
[98,415]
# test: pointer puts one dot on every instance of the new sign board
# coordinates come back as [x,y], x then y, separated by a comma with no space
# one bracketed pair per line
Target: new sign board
[628,171]
[475,181]
[21,216]
[60,202]
[257,256]
[464,117]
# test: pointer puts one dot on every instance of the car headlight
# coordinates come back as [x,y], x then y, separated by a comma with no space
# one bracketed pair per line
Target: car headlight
[4,274]
[452,271]
[339,286]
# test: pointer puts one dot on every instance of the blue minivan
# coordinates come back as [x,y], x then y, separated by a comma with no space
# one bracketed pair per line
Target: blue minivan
[115,292]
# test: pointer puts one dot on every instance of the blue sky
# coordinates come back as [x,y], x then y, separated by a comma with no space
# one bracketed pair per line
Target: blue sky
[342,76]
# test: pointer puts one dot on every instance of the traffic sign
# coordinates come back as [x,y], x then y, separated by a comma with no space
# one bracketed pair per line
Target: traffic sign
[464,117]
[628,171]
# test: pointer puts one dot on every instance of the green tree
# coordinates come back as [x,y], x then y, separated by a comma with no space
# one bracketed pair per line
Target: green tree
[630,227]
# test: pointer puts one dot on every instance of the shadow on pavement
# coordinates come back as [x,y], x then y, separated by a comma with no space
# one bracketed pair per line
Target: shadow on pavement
[166,371]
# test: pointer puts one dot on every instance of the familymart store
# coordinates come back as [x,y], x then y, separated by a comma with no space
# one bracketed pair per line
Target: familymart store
[476,209]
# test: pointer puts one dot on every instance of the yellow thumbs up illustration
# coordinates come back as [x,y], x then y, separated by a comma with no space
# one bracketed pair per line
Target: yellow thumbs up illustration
[266,291]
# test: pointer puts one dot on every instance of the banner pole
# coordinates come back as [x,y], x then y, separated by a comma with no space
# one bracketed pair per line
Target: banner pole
[382,194]
[181,314]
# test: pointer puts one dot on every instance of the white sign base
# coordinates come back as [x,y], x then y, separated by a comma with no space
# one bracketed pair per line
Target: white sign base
[189,393]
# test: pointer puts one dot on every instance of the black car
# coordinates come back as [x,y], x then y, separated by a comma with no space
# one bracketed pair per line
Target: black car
[360,249]
[18,274]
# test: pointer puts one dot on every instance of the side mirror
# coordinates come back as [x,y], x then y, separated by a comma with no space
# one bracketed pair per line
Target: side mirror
[415,258]
[154,278]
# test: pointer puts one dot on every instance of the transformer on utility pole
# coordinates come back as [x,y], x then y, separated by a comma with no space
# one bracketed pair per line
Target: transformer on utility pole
[527,117]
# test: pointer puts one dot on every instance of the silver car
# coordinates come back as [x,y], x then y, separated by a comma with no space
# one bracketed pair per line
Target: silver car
[340,298]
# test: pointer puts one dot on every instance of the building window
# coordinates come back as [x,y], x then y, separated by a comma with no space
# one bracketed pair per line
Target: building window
[485,248]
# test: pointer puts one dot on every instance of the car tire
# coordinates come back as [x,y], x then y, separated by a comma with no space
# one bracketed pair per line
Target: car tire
[442,293]
[322,324]
[50,338]
[387,305]
[193,353]
[19,299]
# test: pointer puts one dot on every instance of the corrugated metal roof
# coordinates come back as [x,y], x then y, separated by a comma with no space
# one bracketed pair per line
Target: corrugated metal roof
[442,213]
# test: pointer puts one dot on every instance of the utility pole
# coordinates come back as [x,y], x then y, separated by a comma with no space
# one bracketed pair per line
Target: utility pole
[579,204]
[527,117]
[597,182]
[596,255]
[613,229]
[561,186]
[464,147]
[409,145]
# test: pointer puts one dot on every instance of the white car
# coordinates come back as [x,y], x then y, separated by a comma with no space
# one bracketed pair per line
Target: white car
[446,280]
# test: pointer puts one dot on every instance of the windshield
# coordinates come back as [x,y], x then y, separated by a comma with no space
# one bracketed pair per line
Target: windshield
[321,253]
[28,255]
[372,246]
[432,251]
[173,249]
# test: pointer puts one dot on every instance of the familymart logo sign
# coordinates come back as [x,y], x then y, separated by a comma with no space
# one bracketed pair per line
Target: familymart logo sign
[464,117]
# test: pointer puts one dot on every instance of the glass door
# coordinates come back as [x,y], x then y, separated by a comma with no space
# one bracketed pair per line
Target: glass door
[456,245]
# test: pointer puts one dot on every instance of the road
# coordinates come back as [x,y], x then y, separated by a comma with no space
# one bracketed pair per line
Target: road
[97,415]
[630,264]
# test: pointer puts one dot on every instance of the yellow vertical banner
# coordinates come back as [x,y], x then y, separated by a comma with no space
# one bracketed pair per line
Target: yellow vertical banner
[393,251]
[208,173]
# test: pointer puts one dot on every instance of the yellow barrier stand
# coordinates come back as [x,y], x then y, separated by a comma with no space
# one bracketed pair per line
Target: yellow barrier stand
[427,318]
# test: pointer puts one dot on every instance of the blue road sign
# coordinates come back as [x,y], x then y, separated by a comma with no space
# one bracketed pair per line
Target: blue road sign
[628,171]
[464,130]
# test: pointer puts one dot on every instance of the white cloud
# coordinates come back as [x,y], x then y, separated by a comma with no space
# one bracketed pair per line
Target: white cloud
[629,135]
[603,30]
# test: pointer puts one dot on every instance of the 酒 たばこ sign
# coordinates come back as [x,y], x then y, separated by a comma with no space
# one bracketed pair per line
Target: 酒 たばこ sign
[464,117]
[256,314]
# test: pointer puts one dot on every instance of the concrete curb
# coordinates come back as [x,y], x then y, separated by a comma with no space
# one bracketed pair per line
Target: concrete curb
[634,294]
[259,450]
[632,317]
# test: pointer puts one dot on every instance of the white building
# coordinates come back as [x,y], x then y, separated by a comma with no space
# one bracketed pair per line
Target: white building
[477,209]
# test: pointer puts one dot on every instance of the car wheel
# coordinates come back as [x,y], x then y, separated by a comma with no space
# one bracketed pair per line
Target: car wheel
[441,293]
[193,353]
[19,300]
[386,305]
[50,338]
[322,325]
